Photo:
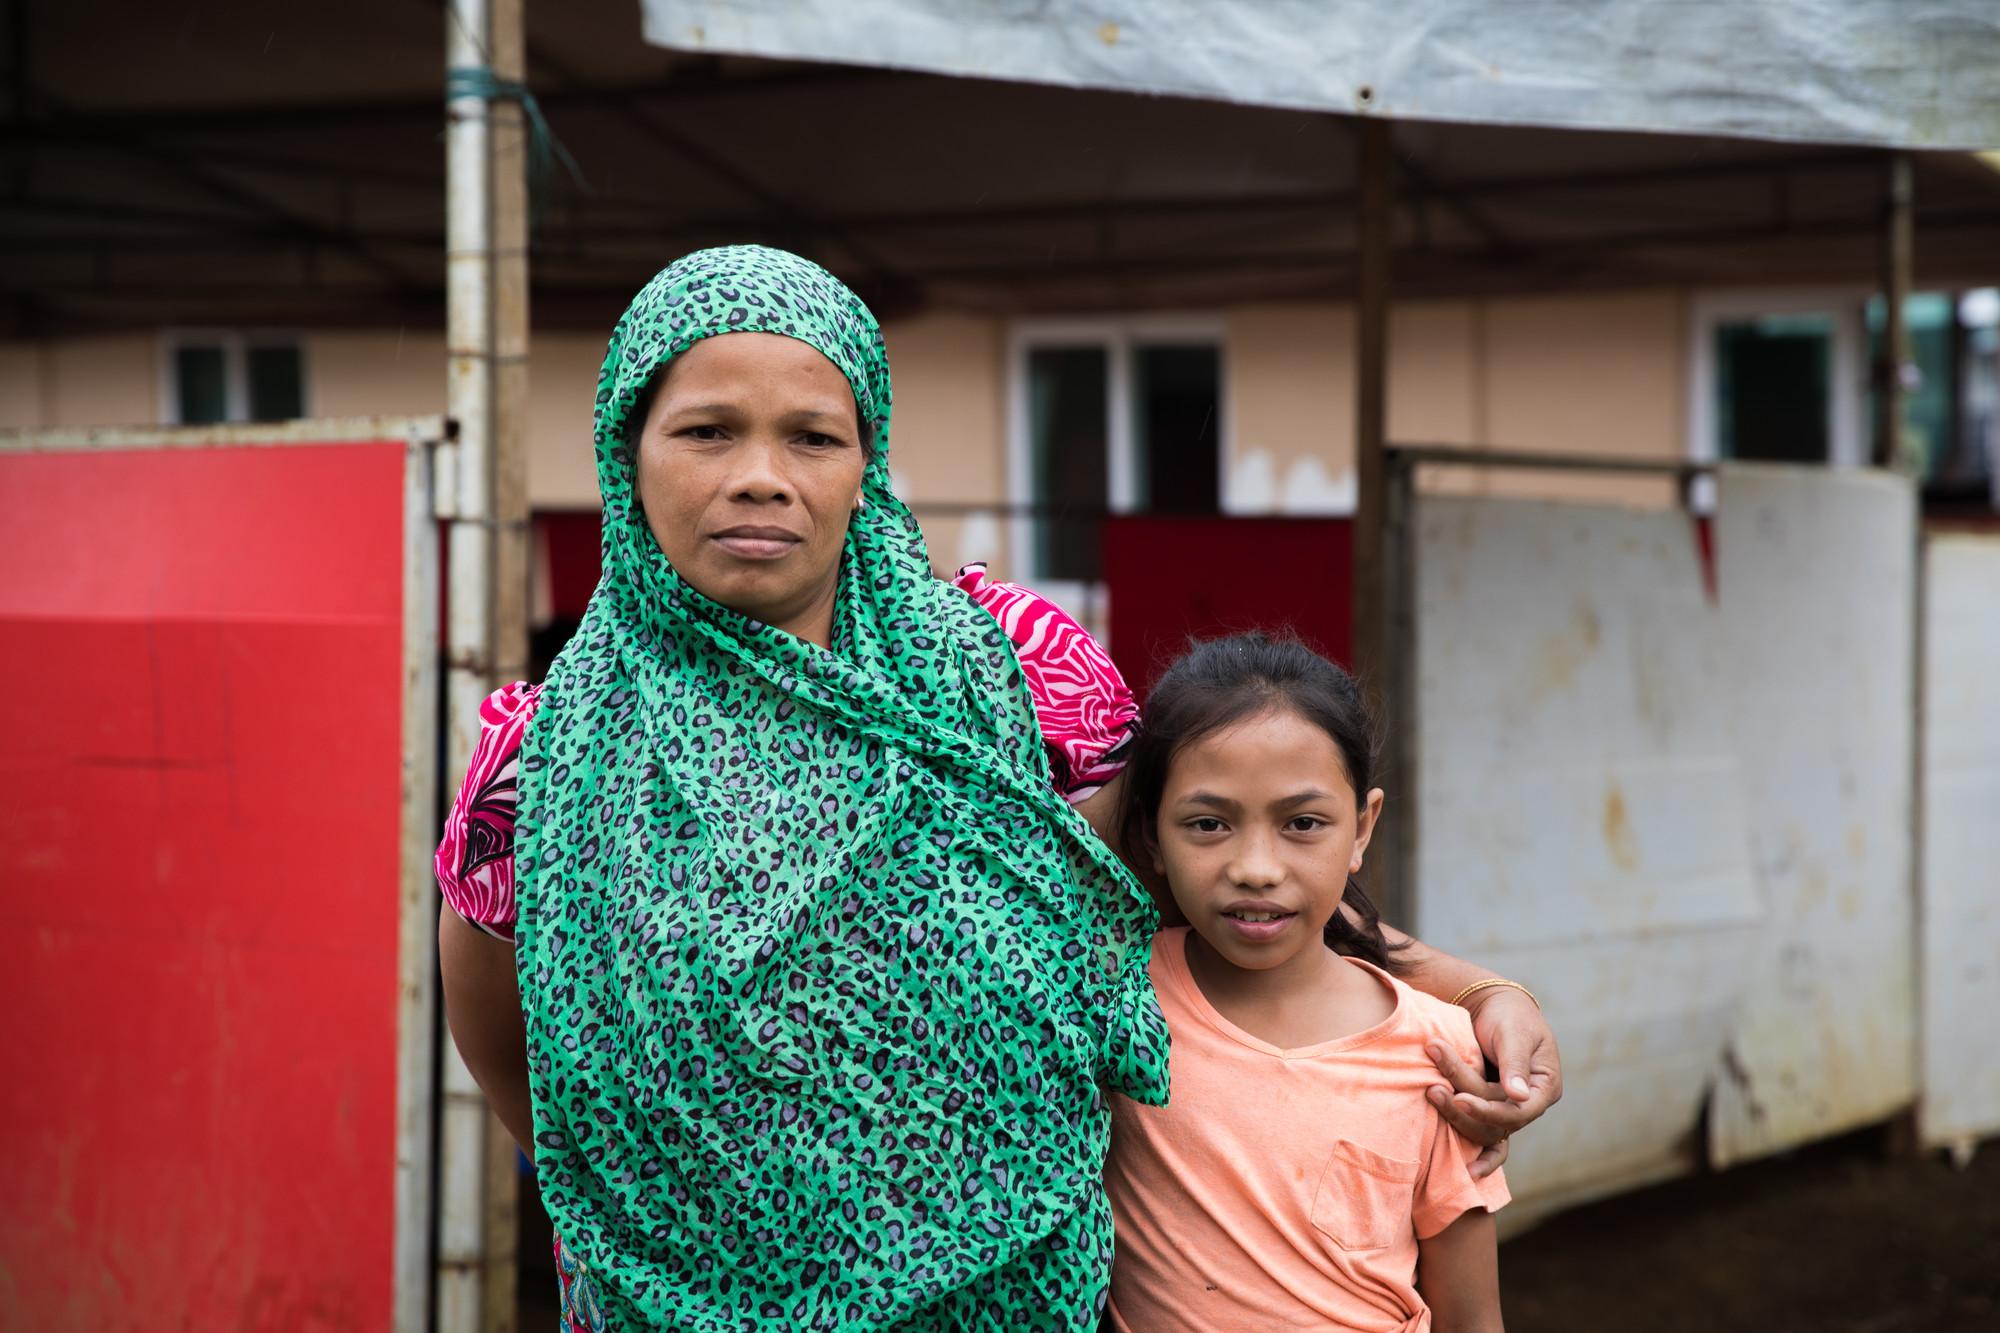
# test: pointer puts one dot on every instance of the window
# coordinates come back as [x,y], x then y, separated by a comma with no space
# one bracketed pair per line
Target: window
[1773,388]
[1786,377]
[215,377]
[1069,442]
[1777,376]
[1176,401]
[1107,417]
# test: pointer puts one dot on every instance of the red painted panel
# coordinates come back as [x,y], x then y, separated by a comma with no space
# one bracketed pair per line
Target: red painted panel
[574,542]
[1171,577]
[200,772]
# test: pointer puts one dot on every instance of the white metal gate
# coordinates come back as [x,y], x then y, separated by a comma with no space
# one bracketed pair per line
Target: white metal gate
[1960,893]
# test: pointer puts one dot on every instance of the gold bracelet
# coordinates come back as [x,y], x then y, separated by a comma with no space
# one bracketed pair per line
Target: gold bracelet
[1491,982]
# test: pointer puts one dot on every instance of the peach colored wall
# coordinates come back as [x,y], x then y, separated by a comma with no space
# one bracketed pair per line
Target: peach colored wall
[352,374]
[946,441]
[372,373]
[1290,390]
[1575,374]
[1588,375]
[1288,409]
[948,438]
[562,393]
[21,391]
[111,380]
[1584,374]
[116,381]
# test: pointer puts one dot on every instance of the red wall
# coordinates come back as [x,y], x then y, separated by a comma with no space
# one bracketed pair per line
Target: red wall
[200,767]
[576,552]
[1169,578]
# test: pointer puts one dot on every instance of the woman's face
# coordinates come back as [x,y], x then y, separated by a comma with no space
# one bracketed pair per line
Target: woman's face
[749,467]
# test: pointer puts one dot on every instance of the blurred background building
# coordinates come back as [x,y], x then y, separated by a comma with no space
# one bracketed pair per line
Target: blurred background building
[1096,303]
[1700,748]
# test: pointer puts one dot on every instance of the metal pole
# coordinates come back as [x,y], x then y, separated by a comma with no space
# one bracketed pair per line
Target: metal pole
[1892,360]
[484,486]
[1371,394]
[416,957]
[1372,656]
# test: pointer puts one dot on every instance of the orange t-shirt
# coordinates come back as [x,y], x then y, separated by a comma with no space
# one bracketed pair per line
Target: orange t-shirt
[1286,1189]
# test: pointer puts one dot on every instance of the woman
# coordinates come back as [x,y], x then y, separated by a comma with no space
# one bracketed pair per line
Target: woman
[816,976]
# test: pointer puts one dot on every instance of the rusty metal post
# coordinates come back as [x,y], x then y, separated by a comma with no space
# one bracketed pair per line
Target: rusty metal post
[1371,398]
[1372,655]
[1892,359]
[483,488]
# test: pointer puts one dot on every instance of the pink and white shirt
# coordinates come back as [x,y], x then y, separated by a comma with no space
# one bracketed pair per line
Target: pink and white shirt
[1085,710]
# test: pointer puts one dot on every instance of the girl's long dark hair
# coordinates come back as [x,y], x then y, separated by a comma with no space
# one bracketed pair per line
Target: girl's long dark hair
[1227,680]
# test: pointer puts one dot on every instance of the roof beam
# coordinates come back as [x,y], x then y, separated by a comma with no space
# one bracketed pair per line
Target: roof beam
[1313,201]
[1426,187]
[784,213]
[1190,261]
[305,228]
[694,81]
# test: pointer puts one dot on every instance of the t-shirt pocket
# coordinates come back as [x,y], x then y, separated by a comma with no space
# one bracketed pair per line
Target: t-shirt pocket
[1364,1198]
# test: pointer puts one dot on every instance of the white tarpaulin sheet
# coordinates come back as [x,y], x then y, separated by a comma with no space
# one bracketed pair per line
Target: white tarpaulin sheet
[1581,822]
[1916,73]
[1961,864]
[1817,577]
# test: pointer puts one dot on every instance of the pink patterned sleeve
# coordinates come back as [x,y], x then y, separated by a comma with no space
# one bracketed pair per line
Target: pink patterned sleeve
[1084,707]
[475,861]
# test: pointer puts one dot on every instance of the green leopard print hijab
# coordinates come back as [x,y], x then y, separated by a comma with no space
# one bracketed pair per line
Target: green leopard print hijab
[821,977]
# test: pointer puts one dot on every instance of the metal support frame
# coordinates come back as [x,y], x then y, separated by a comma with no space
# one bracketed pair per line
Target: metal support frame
[1684,471]
[690,80]
[1371,415]
[192,168]
[484,483]
[1892,361]
[1397,888]
[666,134]
[15,81]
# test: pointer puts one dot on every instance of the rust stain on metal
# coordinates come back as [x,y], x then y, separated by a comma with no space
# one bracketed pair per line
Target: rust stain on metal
[1618,839]
[1561,654]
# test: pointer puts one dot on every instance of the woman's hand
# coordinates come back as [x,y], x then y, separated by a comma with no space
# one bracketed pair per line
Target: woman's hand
[1517,1040]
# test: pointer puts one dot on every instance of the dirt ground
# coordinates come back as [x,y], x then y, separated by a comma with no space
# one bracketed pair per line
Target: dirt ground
[1834,1239]
[1839,1238]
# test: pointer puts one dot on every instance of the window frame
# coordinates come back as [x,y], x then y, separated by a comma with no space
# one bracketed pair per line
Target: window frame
[235,345]
[1120,336]
[1847,384]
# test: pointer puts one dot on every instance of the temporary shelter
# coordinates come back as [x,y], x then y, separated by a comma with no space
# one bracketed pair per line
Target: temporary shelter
[235,165]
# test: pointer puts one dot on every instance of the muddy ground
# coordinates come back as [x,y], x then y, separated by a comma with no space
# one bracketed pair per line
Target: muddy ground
[1839,1238]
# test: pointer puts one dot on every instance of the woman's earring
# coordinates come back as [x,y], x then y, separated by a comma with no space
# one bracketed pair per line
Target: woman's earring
[860,503]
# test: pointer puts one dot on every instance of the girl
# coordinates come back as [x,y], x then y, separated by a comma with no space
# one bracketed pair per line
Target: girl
[1298,1178]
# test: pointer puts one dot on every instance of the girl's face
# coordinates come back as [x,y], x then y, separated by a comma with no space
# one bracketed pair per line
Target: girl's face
[749,468]
[1259,828]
